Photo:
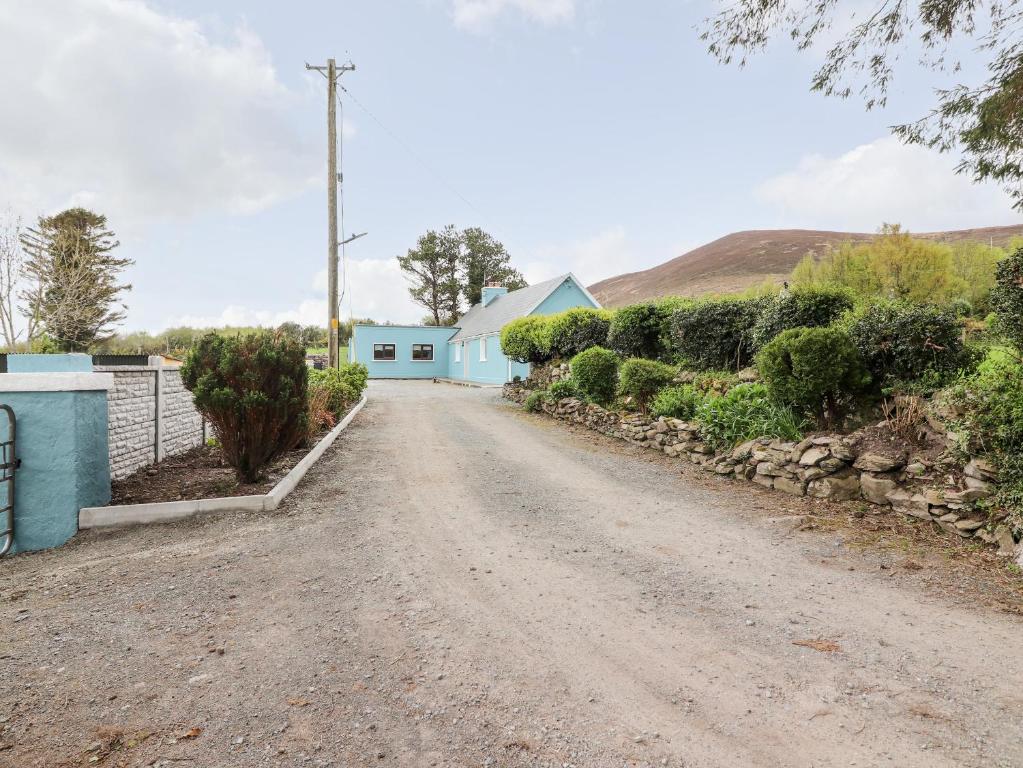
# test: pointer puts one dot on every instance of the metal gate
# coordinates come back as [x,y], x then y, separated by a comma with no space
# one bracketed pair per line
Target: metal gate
[9,463]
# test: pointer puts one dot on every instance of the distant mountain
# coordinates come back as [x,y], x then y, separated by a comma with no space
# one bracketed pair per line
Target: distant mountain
[737,261]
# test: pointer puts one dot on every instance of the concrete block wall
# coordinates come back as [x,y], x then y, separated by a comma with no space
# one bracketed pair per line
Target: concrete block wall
[151,417]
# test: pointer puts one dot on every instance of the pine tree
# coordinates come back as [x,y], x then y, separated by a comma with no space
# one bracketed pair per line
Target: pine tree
[484,261]
[74,295]
[432,271]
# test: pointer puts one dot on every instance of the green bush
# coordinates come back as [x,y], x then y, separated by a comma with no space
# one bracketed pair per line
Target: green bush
[641,379]
[641,330]
[817,370]
[745,413]
[559,390]
[252,391]
[803,307]
[991,401]
[344,385]
[595,372]
[1007,297]
[535,400]
[527,340]
[715,333]
[678,402]
[901,342]
[577,329]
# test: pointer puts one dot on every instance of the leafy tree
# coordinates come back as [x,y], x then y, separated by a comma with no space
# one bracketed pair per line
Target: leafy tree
[1007,297]
[252,390]
[984,119]
[432,271]
[894,265]
[12,261]
[73,294]
[484,260]
[527,339]
[448,266]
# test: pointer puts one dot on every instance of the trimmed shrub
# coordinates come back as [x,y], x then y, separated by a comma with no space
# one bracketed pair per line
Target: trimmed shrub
[715,333]
[642,330]
[559,390]
[641,379]
[527,340]
[991,402]
[595,372]
[744,413]
[1007,298]
[252,390]
[803,307]
[678,402]
[817,370]
[534,400]
[901,342]
[575,330]
[343,384]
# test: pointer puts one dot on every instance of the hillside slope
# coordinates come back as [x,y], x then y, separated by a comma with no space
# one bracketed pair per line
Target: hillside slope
[742,259]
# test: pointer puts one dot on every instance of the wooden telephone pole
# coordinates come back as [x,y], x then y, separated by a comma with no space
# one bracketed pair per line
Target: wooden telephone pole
[332,72]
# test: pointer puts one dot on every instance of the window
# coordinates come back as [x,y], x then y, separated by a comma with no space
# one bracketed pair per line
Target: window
[423,352]
[458,352]
[383,352]
[483,349]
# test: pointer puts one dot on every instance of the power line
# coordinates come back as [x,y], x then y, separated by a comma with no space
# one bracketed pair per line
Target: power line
[404,145]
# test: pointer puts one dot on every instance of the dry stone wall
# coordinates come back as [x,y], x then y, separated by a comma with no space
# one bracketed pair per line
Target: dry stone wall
[150,417]
[831,467]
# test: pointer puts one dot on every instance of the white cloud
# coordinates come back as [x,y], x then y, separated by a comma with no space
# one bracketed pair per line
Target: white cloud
[141,114]
[884,181]
[603,255]
[373,288]
[479,15]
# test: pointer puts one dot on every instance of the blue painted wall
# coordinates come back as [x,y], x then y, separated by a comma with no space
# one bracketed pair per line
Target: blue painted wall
[72,363]
[65,464]
[360,349]
[565,296]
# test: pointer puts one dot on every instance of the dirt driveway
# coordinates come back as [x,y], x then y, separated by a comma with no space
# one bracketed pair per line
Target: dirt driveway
[461,584]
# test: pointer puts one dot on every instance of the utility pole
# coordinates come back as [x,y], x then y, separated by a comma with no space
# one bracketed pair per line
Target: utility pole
[332,72]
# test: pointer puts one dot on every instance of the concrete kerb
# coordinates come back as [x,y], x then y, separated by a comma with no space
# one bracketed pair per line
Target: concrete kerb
[159,512]
[460,383]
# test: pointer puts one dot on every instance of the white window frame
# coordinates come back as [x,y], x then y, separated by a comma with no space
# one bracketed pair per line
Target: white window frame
[384,359]
[425,359]
[458,352]
[483,349]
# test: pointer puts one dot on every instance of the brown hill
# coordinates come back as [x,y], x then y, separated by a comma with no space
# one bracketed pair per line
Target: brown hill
[742,259]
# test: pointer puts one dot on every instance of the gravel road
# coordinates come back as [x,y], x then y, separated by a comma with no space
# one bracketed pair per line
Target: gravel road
[458,583]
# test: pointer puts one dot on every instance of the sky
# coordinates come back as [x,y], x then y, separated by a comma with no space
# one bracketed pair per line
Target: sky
[591,136]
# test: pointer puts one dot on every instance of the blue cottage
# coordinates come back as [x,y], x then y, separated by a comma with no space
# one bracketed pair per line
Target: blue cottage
[470,351]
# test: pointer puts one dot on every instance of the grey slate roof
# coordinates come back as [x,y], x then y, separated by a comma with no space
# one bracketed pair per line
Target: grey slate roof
[502,310]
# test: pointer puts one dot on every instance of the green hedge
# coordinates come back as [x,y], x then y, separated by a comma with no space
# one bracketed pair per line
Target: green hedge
[903,342]
[575,330]
[527,340]
[642,330]
[595,372]
[715,333]
[803,307]
[817,370]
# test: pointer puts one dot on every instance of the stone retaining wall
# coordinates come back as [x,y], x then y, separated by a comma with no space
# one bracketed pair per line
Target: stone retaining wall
[150,417]
[825,466]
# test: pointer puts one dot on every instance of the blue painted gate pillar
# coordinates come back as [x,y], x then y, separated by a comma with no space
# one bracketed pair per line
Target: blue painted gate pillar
[61,411]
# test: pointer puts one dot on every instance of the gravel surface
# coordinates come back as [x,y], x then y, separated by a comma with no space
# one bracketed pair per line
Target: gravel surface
[458,583]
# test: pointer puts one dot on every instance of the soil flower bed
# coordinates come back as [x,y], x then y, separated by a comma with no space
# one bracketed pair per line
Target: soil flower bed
[200,473]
